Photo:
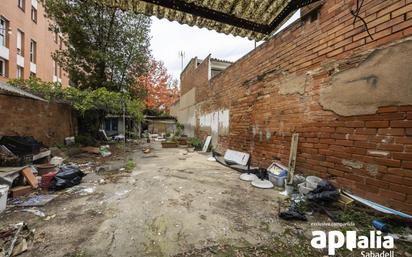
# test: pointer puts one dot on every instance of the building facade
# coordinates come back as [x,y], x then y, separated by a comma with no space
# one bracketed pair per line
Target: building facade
[27,44]
[196,73]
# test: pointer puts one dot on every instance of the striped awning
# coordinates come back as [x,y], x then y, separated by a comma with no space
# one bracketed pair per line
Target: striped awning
[254,19]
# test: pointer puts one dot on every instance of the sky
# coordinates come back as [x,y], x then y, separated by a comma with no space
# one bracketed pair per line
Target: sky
[170,38]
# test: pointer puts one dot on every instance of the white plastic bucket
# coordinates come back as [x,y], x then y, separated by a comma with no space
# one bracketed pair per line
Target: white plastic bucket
[4,189]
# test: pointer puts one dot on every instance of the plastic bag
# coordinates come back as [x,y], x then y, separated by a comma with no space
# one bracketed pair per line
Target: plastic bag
[323,193]
[67,176]
[293,214]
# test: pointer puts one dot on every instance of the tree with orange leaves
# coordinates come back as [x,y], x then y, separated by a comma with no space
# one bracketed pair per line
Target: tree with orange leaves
[160,90]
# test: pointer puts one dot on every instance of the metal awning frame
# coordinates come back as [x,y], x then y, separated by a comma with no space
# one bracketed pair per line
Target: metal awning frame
[200,11]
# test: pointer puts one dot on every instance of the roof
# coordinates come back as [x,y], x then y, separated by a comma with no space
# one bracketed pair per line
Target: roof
[220,60]
[254,19]
[17,91]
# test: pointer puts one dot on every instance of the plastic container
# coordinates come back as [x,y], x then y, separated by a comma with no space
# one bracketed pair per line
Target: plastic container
[303,189]
[312,182]
[4,189]
[278,181]
[379,225]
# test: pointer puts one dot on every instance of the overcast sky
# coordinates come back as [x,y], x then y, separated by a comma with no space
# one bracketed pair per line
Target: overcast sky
[169,38]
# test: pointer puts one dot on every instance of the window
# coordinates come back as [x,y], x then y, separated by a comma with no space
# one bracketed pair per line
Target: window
[32,75]
[111,124]
[34,14]
[21,4]
[3,31]
[19,72]
[3,65]
[33,51]
[20,43]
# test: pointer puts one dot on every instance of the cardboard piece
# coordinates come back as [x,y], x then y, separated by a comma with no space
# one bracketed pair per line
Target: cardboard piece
[90,149]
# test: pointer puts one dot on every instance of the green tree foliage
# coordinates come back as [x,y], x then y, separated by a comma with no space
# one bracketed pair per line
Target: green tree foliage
[85,101]
[105,47]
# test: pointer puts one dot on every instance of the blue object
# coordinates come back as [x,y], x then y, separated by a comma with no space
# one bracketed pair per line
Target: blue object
[283,173]
[379,225]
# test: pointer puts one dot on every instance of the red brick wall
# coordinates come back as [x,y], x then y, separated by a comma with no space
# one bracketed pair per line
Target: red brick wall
[194,76]
[370,155]
[48,123]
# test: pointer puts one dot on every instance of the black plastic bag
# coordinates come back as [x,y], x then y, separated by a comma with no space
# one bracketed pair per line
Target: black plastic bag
[67,176]
[293,214]
[325,192]
[21,145]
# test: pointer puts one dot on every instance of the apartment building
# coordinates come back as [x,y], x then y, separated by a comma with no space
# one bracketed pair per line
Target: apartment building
[26,43]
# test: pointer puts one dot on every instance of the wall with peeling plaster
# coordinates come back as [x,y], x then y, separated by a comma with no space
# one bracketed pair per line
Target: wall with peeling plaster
[383,78]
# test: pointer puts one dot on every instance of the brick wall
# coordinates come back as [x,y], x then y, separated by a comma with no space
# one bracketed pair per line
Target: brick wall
[348,96]
[48,123]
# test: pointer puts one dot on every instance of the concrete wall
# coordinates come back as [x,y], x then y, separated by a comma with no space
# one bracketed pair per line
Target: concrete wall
[347,95]
[48,123]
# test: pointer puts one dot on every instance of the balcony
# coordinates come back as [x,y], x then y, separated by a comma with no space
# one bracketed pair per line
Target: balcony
[4,53]
[20,60]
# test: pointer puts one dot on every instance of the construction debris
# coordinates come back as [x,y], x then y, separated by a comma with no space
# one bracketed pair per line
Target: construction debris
[15,239]
[34,211]
[90,149]
[31,179]
[36,200]
[20,191]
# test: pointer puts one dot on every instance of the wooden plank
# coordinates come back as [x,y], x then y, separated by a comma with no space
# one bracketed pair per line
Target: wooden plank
[292,157]
[31,179]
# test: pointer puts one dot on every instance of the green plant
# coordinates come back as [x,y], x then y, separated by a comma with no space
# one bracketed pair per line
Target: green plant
[195,142]
[130,165]
[86,100]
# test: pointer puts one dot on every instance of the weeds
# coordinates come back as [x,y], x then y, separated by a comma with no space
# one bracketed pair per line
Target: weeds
[130,165]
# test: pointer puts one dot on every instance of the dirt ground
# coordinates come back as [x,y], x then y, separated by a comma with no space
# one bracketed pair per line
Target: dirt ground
[174,202]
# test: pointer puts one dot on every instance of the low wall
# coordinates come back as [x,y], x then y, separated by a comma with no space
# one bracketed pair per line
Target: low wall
[48,123]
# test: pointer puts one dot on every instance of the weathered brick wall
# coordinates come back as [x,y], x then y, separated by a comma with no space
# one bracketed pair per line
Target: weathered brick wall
[350,103]
[48,123]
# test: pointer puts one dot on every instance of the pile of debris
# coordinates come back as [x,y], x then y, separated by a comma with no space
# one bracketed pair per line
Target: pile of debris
[15,240]
[19,151]
[30,172]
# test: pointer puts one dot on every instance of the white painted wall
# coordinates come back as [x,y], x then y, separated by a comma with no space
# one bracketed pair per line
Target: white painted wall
[217,121]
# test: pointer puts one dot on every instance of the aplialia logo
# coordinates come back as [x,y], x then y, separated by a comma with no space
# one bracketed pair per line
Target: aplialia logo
[333,240]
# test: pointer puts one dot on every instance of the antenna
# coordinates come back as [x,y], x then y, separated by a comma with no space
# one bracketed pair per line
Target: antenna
[182,57]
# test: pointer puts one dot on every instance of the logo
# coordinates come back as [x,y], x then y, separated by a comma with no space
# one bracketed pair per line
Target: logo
[333,240]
